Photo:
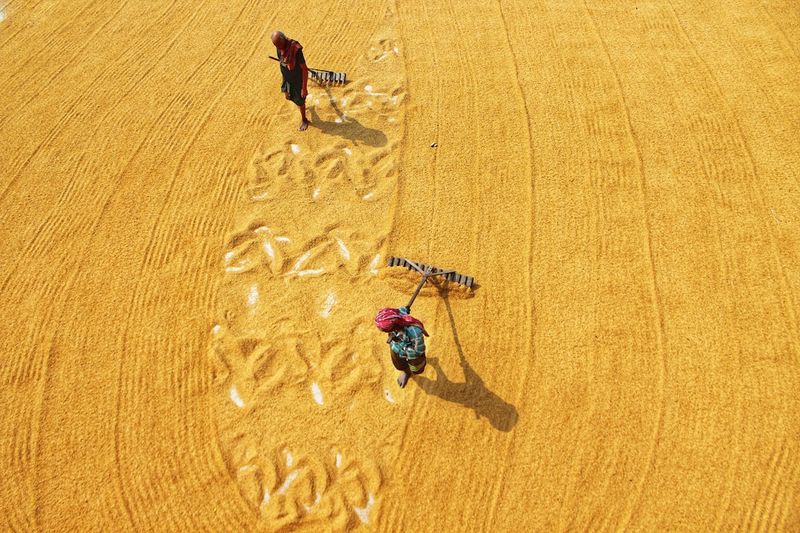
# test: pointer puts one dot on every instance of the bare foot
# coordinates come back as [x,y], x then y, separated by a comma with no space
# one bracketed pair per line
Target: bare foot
[402,379]
[304,125]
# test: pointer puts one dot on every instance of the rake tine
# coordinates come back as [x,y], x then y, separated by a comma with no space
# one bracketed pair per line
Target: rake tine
[328,76]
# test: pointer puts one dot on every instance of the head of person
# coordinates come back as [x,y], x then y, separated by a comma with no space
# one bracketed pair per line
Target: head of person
[388,320]
[279,40]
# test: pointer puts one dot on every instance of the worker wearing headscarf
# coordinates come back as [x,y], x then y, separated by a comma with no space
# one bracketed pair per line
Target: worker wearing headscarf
[294,72]
[406,341]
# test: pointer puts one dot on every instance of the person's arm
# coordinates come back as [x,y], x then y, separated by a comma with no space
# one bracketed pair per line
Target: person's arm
[415,343]
[396,343]
[407,345]
[282,65]
[304,68]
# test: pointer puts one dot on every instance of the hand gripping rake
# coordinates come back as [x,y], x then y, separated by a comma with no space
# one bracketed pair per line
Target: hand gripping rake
[323,76]
[429,271]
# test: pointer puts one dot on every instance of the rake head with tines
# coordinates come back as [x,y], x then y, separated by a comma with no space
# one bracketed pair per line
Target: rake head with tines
[323,77]
[327,77]
[429,271]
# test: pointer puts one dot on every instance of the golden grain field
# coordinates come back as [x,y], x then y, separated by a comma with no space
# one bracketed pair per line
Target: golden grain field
[187,282]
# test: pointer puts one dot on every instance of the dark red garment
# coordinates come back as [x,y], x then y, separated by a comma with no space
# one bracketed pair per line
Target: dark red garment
[404,365]
[289,53]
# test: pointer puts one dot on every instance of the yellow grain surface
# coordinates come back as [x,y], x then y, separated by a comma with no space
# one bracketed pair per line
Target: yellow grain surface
[187,283]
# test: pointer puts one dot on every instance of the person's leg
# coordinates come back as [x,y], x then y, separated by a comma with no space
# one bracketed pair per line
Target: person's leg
[413,366]
[304,120]
[295,90]
[417,366]
[402,366]
[402,379]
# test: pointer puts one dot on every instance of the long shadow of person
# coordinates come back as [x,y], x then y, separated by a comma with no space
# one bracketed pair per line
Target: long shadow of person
[348,127]
[472,393]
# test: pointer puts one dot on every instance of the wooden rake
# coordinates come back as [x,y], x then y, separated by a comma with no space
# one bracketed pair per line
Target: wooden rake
[323,76]
[429,271]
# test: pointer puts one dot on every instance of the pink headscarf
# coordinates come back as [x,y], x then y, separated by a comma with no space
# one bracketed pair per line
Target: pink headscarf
[389,319]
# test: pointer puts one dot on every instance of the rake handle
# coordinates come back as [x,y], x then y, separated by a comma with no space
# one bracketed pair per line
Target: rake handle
[428,273]
[309,68]
[416,292]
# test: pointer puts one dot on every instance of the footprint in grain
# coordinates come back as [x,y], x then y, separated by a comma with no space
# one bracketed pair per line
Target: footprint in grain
[294,489]
[383,49]
[332,367]
[268,250]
